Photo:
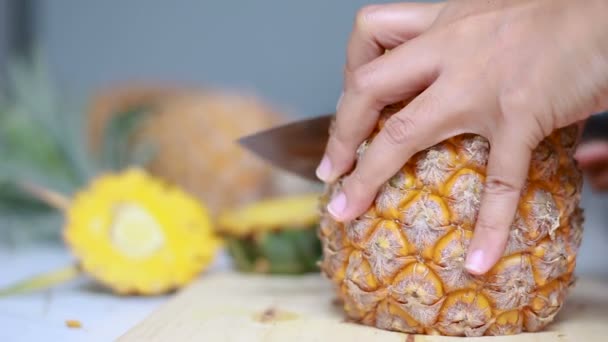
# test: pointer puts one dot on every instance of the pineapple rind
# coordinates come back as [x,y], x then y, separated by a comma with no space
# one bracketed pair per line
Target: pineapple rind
[400,266]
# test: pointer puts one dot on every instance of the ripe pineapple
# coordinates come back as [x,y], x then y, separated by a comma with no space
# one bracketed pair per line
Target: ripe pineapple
[400,266]
[276,235]
[108,103]
[193,134]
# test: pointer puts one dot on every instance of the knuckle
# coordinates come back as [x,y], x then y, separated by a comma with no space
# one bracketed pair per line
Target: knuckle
[365,15]
[398,130]
[517,95]
[485,224]
[500,186]
[357,185]
[431,104]
[337,146]
[356,180]
[340,153]
[519,108]
[359,81]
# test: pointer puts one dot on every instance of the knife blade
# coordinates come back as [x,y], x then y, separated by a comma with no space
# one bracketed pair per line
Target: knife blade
[295,147]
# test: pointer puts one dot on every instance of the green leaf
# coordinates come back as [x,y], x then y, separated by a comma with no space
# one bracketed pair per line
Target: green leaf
[118,149]
[26,142]
[243,253]
[291,251]
[308,246]
[33,102]
[21,227]
[14,171]
[15,199]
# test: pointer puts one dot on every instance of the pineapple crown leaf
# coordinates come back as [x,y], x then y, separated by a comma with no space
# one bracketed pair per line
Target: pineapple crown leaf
[41,122]
[42,141]
[119,150]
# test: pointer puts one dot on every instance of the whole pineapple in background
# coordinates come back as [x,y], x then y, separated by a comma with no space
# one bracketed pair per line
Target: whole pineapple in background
[400,266]
[194,135]
[276,235]
[117,100]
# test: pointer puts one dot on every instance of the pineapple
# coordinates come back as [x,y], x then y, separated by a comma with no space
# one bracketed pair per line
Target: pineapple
[129,231]
[400,266]
[276,235]
[110,102]
[193,134]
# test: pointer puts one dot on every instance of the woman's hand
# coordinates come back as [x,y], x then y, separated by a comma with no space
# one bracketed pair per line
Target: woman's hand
[511,71]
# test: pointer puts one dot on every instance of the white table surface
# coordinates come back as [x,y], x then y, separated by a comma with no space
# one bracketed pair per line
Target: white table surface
[41,316]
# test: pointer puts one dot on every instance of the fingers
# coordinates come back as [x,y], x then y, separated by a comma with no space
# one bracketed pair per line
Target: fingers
[592,153]
[421,124]
[377,28]
[507,171]
[381,27]
[393,77]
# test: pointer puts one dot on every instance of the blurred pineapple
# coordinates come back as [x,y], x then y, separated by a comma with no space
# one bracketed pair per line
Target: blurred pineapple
[128,230]
[194,133]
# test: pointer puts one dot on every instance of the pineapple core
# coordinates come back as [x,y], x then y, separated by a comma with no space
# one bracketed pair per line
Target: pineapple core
[135,232]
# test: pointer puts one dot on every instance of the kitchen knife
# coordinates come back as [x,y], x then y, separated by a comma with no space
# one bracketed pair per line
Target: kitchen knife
[296,147]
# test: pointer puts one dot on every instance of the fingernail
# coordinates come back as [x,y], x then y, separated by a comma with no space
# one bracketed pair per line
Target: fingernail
[339,101]
[474,262]
[324,169]
[337,205]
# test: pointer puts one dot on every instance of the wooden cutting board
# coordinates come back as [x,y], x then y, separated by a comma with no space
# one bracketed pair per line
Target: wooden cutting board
[228,306]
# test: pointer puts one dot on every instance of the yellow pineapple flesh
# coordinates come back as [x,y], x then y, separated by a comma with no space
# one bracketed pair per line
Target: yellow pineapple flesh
[400,266]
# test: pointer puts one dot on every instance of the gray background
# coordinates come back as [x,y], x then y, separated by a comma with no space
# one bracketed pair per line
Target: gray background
[4,34]
[289,52]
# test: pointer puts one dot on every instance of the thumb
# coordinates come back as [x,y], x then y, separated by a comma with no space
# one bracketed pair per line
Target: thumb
[506,174]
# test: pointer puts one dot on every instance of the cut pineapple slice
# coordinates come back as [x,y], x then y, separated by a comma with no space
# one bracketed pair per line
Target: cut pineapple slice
[277,235]
[135,235]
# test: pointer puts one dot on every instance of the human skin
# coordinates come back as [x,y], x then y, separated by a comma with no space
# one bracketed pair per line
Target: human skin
[512,71]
